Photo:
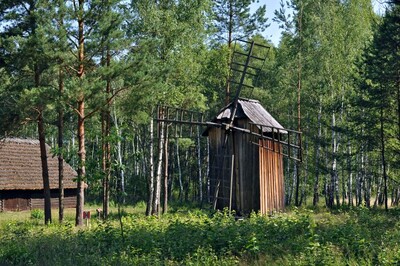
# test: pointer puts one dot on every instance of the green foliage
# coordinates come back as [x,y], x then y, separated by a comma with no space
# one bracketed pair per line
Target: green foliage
[196,237]
[233,20]
[37,214]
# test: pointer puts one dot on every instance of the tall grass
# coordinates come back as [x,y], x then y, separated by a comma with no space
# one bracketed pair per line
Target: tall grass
[190,236]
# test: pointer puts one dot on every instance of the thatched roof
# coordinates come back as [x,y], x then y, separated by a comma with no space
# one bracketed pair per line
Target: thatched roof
[252,110]
[21,168]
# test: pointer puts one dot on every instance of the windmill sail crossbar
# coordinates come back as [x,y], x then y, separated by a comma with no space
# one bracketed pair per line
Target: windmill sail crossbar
[256,44]
[241,71]
[251,56]
[251,67]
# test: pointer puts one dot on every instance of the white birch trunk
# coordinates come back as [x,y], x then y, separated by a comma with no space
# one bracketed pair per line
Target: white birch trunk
[331,186]
[317,157]
[350,172]
[150,180]
[199,165]
[157,185]
[119,154]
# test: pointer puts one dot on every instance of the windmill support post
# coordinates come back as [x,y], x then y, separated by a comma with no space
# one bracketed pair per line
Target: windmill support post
[231,183]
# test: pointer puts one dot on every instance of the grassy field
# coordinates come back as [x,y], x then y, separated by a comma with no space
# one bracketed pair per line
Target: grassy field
[190,236]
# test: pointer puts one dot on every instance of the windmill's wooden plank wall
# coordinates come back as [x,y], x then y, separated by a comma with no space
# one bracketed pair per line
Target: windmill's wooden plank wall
[220,168]
[247,169]
[258,171]
[271,177]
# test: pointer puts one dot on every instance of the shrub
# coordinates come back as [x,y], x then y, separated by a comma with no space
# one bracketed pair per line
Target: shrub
[37,214]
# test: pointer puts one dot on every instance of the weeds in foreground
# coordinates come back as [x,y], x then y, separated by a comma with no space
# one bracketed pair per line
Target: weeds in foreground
[196,237]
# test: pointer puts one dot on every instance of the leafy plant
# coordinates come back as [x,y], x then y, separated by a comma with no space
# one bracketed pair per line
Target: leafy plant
[37,214]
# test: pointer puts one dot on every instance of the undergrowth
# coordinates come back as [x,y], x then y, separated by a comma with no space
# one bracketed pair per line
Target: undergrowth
[196,237]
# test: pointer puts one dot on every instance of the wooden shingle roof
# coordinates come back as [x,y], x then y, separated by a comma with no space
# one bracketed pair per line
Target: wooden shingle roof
[21,168]
[252,110]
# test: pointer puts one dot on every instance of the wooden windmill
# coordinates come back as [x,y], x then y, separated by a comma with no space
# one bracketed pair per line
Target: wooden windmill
[246,144]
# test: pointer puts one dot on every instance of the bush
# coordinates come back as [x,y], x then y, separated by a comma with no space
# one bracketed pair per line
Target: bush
[37,214]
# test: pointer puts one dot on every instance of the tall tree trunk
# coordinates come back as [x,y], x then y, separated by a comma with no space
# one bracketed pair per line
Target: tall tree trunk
[382,139]
[60,150]
[45,169]
[299,78]
[350,173]
[288,181]
[106,149]
[178,162]
[344,185]
[199,165]
[398,104]
[150,179]
[378,191]
[43,154]
[338,138]
[81,121]
[106,160]
[367,185]
[327,175]
[303,197]
[188,173]
[80,201]
[120,156]
[361,178]
[157,187]
[288,185]
[331,186]
[208,171]
[230,32]
[317,157]
[165,204]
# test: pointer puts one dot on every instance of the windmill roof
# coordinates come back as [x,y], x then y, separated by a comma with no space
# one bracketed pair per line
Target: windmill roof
[252,110]
[21,168]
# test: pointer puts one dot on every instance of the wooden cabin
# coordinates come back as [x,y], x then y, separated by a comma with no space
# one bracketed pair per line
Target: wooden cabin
[246,166]
[21,182]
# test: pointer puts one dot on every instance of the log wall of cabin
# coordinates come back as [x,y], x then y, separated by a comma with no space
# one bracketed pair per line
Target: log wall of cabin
[19,200]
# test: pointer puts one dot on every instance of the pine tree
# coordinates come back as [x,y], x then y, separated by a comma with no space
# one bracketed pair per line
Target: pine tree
[25,54]
[232,21]
[381,93]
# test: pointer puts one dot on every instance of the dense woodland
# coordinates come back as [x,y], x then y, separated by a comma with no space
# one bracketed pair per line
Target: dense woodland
[86,77]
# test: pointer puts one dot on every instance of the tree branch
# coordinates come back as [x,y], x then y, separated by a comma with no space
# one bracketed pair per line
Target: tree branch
[107,102]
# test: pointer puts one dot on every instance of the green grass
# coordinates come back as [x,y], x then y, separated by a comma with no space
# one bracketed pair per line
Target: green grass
[190,236]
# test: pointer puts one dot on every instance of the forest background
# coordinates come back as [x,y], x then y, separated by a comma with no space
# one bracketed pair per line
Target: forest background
[86,78]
